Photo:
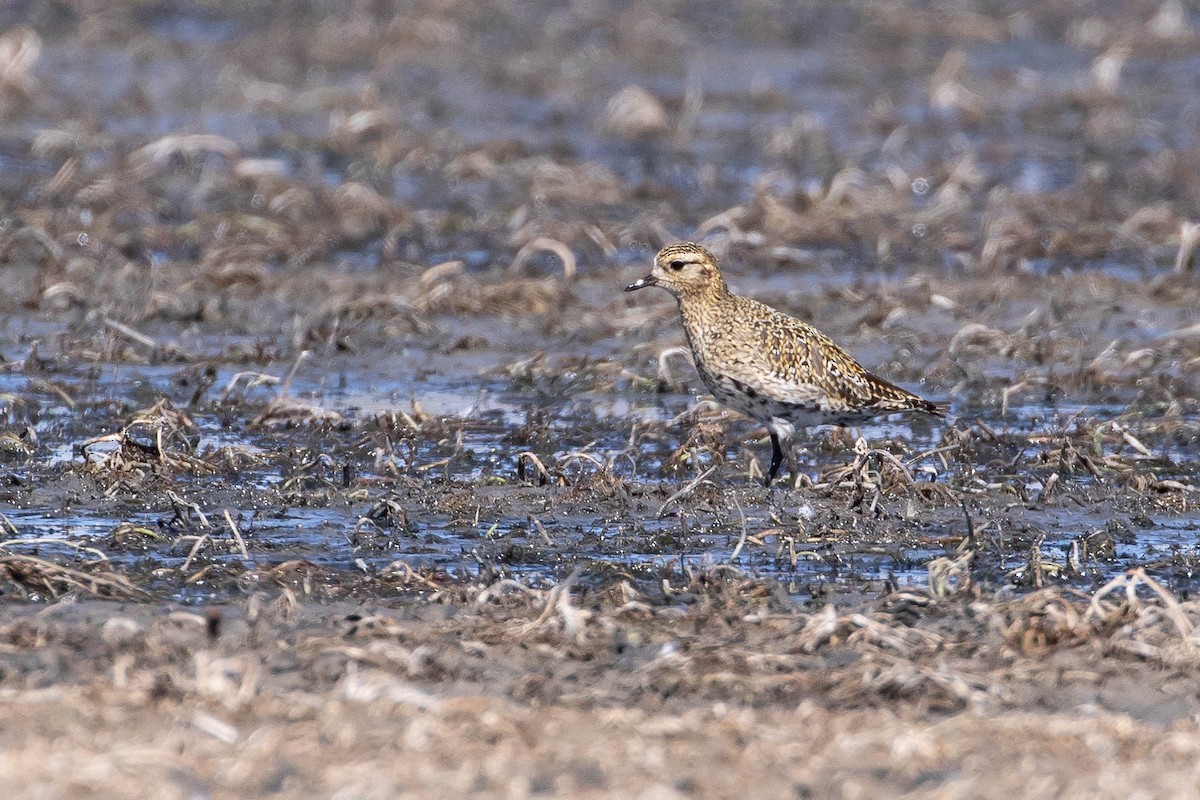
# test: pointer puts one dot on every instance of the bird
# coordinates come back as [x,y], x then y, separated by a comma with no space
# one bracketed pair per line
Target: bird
[775,368]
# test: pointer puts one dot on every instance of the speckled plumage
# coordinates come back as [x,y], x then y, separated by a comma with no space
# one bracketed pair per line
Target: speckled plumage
[777,369]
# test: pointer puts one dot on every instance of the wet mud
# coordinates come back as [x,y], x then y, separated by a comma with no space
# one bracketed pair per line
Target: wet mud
[328,437]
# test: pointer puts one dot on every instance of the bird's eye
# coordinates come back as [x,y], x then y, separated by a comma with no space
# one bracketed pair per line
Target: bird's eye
[676,265]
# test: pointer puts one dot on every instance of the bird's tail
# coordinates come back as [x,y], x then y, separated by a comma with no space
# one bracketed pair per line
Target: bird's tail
[890,397]
[937,409]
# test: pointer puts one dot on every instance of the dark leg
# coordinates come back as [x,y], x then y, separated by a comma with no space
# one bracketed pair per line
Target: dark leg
[776,459]
[793,467]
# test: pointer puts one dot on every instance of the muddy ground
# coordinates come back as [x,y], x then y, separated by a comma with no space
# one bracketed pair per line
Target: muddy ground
[334,462]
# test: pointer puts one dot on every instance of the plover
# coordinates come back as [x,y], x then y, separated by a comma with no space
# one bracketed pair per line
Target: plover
[777,369]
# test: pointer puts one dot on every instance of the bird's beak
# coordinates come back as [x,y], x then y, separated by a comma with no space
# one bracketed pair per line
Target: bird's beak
[649,280]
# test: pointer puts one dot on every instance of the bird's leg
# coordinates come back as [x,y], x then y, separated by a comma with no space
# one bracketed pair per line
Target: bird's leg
[776,459]
[793,467]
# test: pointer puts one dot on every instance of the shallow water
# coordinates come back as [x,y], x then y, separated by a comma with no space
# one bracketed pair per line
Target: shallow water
[991,177]
[493,532]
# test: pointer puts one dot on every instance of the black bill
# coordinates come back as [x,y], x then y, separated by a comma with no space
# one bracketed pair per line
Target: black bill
[649,280]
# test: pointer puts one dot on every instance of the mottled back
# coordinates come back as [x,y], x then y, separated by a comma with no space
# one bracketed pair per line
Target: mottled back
[763,362]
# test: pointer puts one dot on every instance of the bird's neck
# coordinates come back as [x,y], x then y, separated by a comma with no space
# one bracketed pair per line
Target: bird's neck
[714,294]
[698,308]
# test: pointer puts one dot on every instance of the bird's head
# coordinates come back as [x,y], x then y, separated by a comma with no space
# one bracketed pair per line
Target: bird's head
[685,270]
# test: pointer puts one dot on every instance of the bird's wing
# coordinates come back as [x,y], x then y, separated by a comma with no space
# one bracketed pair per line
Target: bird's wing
[796,363]
[783,359]
[812,359]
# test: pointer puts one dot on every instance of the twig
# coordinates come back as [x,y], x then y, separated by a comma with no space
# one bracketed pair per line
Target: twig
[252,379]
[664,368]
[130,333]
[895,461]
[497,588]
[52,388]
[686,490]
[405,569]
[935,451]
[546,244]
[543,473]
[286,388]
[48,571]
[536,524]
[237,535]
[195,549]
[578,456]
[742,541]
[559,599]
[48,540]
[195,507]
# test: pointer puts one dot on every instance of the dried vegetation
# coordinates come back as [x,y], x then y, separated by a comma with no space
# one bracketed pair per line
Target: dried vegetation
[312,318]
[611,693]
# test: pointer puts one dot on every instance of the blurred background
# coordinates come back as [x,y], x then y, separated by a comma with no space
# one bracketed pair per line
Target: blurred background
[950,136]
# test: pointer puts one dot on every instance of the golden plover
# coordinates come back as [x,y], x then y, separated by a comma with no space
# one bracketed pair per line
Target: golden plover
[777,369]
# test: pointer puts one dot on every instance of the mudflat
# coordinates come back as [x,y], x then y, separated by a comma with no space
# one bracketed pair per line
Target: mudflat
[334,462]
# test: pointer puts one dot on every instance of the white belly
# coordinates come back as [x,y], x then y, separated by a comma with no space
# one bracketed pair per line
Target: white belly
[810,406]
